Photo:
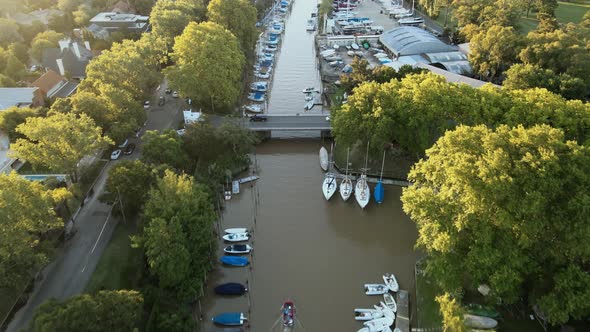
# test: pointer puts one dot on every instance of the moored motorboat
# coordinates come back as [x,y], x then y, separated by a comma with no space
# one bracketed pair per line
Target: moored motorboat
[236,237]
[238,249]
[288,313]
[367,314]
[329,186]
[230,288]
[261,86]
[234,260]
[324,159]
[254,108]
[391,282]
[230,318]
[389,302]
[375,289]
[235,230]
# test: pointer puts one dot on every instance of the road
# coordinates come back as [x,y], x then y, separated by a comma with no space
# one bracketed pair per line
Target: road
[283,122]
[74,264]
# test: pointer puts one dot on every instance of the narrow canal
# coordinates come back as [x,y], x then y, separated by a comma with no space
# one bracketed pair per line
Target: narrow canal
[317,253]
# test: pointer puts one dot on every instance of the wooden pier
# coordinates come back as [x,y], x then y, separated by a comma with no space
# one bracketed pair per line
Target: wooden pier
[402,321]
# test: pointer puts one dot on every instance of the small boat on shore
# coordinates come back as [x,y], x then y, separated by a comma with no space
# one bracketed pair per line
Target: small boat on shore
[479,322]
[238,249]
[288,313]
[375,289]
[254,108]
[234,260]
[367,314]
[346,184]
[329,185]
[391,282]
[230,319]
[389,302]
[231,288]
[256,96]
[236,237]
[235,230]
[324,159]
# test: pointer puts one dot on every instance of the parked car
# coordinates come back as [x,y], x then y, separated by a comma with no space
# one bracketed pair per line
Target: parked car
[129,149]
[161,101]
[123,145]
[115,155]
[175,94]
[180,132]
[146,104]
[168,91]
[258,118]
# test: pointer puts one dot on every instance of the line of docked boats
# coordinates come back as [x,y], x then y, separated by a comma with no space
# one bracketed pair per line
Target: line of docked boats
[233,257]
[381,317]
[267,47]
[362,191]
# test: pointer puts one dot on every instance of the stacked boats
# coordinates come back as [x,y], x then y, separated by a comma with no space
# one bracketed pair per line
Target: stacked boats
[380,318]
[232,258]
[310,97]
[267,47]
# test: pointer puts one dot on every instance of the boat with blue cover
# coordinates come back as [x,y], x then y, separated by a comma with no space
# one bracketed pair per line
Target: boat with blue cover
[256,96]
[379,190]
[231,288]
[234,260]
[230,318]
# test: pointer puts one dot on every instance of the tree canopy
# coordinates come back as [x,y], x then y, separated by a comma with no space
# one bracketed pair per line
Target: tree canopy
[178,237]
[163,148]
[116,311]
[43,40]
[132,180]
[26,215]
[506,208]
[59,141]
[239,17]
[493,49]
[12,117]
[452,314]
[209,65]
[169,18]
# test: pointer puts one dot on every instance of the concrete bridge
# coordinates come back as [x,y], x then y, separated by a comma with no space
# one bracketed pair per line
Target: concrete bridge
[303,122]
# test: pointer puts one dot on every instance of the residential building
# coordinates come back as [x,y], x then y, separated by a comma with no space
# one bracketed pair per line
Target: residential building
[70,59]
[53,85]
[41,15]
[113,21]
[20,97]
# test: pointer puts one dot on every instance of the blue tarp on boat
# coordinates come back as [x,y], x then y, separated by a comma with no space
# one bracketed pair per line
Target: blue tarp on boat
[229,318]
[379,192]
[234,260]
[230,288]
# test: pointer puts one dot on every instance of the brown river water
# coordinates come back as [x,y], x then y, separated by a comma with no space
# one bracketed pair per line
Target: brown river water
[315,252]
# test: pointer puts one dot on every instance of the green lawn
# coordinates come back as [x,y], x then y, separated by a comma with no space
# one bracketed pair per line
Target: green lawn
[120,266]
[566,12]
[427,309]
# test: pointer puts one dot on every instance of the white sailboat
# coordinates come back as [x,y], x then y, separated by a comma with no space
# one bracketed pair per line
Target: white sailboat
[346,184]
[362,192]
[324,159]
[330,184]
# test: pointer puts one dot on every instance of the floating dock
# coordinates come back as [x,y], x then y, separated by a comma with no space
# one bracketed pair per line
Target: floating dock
[235,187]
[402,321]
[248,179]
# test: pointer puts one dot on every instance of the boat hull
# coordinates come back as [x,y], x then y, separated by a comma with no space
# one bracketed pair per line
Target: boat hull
[324,162]
[229,319]
[236,237]
[362,192]
[234,260]
[238,249]
[230,288]
[379,192]
[329,186]
[288,314]
[375,289]
[367,314]
[391,282]
[235,230]
[346,188]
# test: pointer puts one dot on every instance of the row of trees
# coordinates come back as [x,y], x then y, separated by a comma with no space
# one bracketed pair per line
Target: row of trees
[506,207]
[415,111]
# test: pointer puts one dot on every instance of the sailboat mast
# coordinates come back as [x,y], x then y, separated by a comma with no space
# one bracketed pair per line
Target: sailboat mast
[382,165]
[367,156]
[347,154]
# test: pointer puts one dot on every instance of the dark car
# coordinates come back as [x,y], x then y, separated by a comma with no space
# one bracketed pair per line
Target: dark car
[161,101]
[129,149]
[257,118]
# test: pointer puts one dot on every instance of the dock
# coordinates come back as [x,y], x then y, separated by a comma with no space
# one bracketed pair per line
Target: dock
[402,321]
[235,187]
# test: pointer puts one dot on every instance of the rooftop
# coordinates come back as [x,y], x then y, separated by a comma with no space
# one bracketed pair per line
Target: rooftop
[454,78]
[16,97]
[411,40]
[118,17]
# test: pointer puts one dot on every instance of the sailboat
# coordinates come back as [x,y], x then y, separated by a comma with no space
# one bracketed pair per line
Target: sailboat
[330,185]
[362,192]
[346,184]
[379,190]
